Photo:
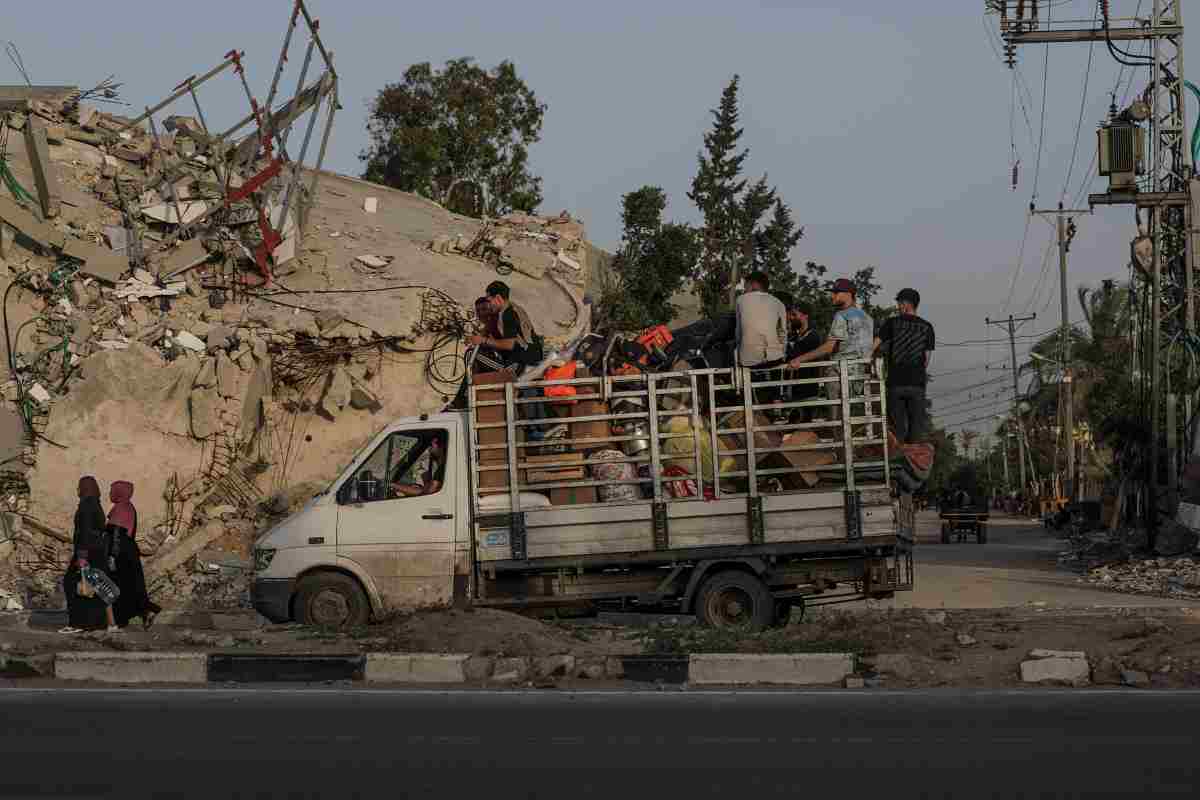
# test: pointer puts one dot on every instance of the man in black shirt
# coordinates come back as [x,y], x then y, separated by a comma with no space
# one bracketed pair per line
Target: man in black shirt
[907,340]
[801,339]
[518,345]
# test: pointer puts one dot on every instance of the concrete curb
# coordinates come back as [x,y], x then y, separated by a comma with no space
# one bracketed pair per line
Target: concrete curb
[799,669]
[416,668]
[132,667]
[709,669]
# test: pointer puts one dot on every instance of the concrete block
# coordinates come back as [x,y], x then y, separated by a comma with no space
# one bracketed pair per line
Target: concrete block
[510,670]
[416,668]
[44,177]
[560,666]
[804,669]
[132,667]
[614,668]
[1133,677]
[1039,653]
[478,668]
[1074,671]
[855,682]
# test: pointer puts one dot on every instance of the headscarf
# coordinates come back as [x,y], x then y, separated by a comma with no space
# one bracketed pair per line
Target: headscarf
[88,487]
[123,513]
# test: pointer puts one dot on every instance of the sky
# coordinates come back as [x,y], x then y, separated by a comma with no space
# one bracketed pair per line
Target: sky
[888,127]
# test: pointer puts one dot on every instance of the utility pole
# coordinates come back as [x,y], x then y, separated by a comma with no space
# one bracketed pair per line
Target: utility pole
[1012,323]
[1170,189]
[1066,231]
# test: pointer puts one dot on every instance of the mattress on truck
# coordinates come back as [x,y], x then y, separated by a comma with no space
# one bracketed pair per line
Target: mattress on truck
[627,528]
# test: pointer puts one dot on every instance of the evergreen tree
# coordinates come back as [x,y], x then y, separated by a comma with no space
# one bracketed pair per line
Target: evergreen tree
[773,249]
[716,190]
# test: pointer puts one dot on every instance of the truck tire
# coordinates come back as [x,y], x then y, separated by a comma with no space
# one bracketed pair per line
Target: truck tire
[331,600]
[945,533]
[983,534]
[732,598]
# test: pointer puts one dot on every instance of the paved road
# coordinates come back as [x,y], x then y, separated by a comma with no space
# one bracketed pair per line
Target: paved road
[346,743]
[1016,567]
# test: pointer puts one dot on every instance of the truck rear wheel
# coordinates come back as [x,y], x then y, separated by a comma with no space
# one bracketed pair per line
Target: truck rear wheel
[331,600]
[732,598]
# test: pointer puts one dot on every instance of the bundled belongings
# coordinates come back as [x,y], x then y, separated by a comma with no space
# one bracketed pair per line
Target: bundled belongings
[615,471]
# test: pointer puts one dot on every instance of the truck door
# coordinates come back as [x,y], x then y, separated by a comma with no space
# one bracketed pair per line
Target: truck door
[396,517]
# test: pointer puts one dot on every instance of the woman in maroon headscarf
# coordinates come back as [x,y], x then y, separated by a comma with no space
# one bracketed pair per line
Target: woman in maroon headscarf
[122,526]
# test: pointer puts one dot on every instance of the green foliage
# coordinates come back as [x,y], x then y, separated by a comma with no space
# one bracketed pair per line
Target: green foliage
[459,136]
[654,260]
[773,246]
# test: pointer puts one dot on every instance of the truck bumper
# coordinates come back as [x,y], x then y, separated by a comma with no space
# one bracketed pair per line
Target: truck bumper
[272,597]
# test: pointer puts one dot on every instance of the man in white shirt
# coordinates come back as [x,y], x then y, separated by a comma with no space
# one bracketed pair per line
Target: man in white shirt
[762,328]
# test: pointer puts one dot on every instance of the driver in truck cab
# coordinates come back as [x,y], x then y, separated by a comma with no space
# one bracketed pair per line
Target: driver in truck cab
[431,478]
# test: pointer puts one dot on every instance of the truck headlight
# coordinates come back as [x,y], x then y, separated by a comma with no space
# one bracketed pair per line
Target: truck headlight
[262,558]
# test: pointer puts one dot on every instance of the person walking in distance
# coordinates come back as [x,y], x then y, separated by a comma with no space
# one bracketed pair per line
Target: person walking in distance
[761,333]
[850,339]
[906,341]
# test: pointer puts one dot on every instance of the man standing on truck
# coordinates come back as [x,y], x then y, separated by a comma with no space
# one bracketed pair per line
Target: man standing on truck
[802,338]
[850,338]
[518,346]
[907,341]
[761,333]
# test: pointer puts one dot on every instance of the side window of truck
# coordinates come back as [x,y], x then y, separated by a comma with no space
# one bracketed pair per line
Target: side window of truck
[395,470]
[370,481]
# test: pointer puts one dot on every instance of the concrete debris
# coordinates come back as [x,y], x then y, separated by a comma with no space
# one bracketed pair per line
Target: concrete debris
[206,378]
[190,341]
[220,337]
[1164,577]
[1056,666]
[228,376]
[44,177]
[966,640]
[337,392]
[374,262]
[167,351]
[202,408]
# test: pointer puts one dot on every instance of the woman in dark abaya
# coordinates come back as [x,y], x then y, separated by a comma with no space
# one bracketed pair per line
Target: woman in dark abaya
[88,547]
[130,576]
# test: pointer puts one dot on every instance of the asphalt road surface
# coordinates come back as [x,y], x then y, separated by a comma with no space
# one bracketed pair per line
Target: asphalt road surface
[348,743]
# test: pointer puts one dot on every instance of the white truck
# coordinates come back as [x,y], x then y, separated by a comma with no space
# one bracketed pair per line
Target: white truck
[685,492]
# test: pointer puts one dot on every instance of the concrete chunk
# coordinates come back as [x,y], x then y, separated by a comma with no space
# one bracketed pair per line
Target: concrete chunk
[1073,671]
[1040,653]
[44,176]
[416,668]
[29,225]
[132,667]
[804,669]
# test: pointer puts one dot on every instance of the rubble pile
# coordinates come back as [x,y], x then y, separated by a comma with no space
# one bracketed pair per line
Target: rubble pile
[1100,548]
[200,315]
[1169,577]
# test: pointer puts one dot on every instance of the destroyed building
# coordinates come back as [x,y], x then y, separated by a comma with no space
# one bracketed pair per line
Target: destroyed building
[212,316]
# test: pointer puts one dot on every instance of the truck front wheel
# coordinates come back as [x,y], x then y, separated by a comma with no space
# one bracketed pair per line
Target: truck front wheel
[732,598]
[331,600]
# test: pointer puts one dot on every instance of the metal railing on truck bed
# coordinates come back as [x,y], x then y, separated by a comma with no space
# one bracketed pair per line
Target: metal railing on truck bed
[650,462]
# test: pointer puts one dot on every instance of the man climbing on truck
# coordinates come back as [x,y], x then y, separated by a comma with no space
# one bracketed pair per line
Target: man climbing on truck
[851,336]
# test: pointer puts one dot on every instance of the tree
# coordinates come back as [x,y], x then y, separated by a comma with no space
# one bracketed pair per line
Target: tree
[459,136]
[654,260]
[716,190]
[773,249]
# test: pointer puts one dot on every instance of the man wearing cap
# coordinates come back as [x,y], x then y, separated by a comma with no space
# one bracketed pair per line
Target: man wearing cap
[906,340]
[850,337]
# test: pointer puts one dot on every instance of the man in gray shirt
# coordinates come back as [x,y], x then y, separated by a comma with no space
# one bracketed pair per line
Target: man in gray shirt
[762,333]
